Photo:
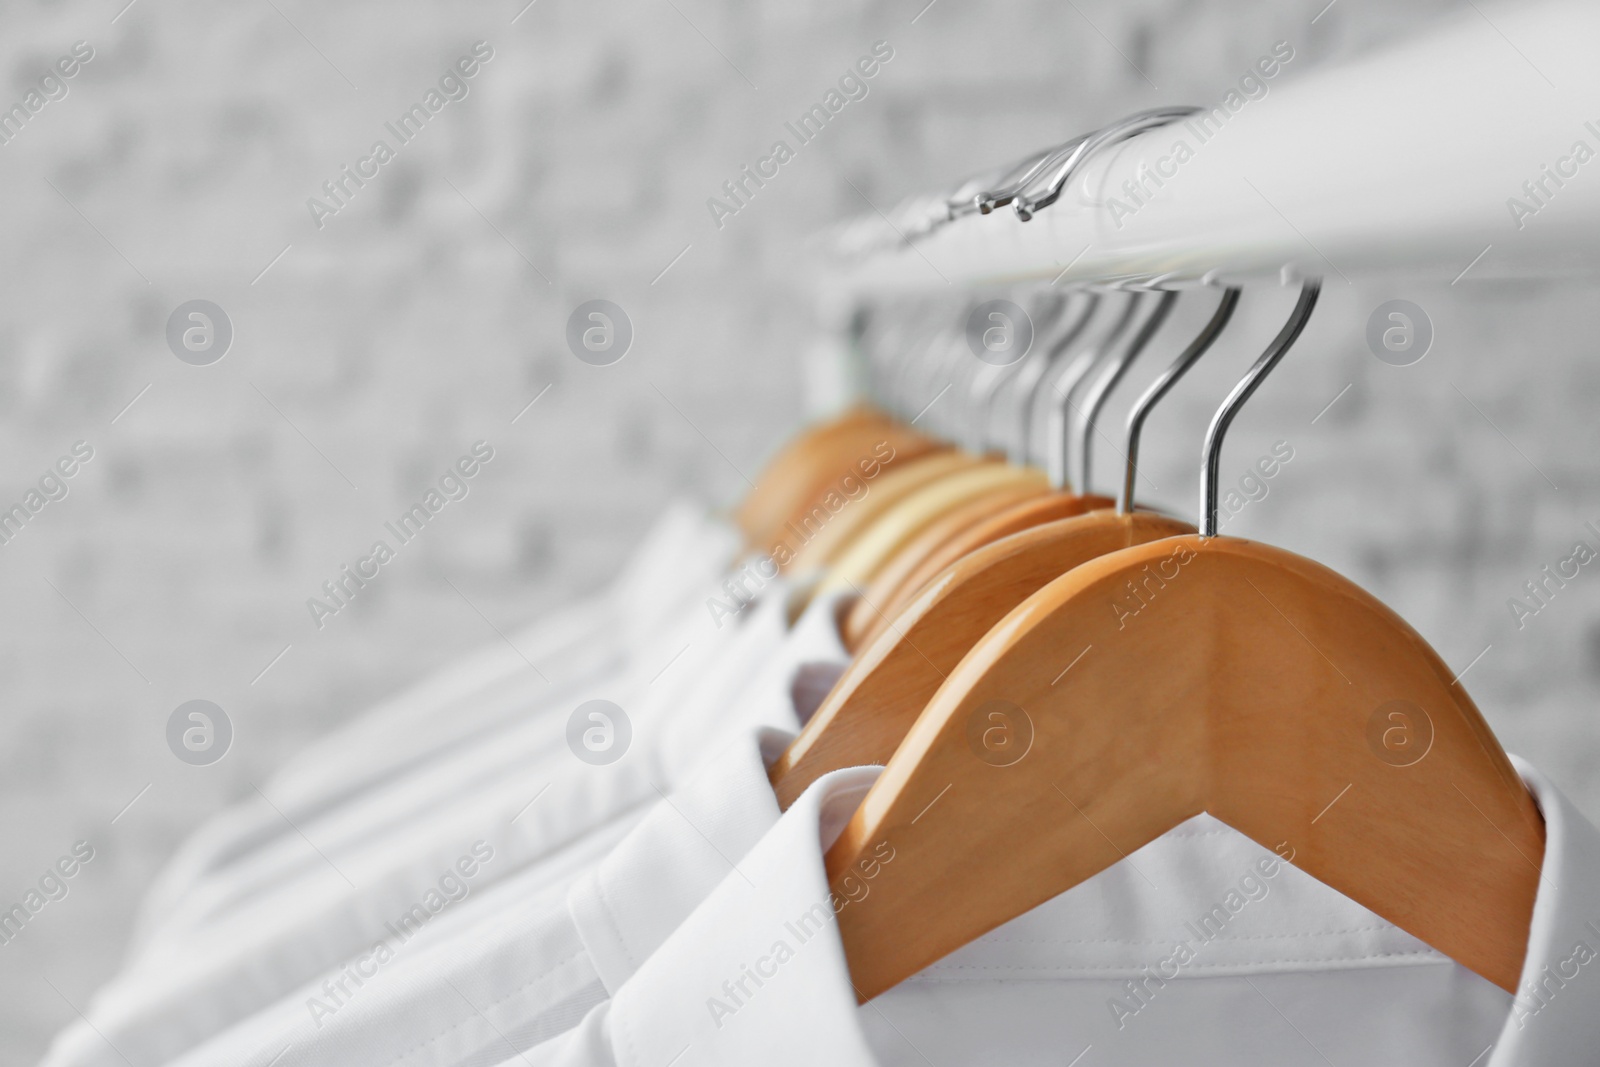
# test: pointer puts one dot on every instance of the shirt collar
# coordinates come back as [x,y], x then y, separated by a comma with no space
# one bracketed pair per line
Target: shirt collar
[754,684]
[760,961]
[1556,1016]
[813,642]
[666,866]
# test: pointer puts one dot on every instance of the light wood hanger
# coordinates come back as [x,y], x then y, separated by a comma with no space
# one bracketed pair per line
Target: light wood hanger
[1216,675]
[1046,370]
[889,534]
[889,596]
[861,620]
[820,540]
[1001,401]
[890,681]
[883,601]
[875,702]
[929,368]
[817,460]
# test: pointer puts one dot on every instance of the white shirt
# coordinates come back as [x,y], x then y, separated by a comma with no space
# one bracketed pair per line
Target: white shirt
[1288,972]
[683,551]
[533,961]
[438,798]
[188,988]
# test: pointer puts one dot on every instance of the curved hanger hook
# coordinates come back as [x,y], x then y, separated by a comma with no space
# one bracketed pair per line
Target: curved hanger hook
[1212,455]
[1033,381]
[1066,386]
[1066,161]
[946,367]
[1101,389]
[990,382]
[1004,415]
[1162,385]
[1018,178]
[921,344]
[974,383]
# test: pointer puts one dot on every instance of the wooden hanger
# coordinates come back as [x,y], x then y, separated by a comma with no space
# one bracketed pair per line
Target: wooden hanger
[894,589]
[1046,370]
[873,705]
[885,598]
[820,536]
[817,461]
[1208,674]
[786,476]
[861,620]
[886,686]
[899,530]
[928,368]
[897,527]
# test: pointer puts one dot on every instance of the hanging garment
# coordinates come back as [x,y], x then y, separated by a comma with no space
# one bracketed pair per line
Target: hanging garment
[539,962]
[492,766]
[533,962]
[684,550]
[1201,947]
[196,982]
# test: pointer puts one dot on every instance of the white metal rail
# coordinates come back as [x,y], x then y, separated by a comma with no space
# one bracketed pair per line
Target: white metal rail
[1473,153]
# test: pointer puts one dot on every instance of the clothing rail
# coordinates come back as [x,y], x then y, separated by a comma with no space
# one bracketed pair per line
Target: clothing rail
[1472,153]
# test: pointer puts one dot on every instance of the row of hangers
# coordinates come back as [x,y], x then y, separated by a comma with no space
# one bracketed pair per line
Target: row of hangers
[1053,678]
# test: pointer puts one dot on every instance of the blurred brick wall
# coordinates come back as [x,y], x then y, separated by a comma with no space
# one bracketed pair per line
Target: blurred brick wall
[429,312]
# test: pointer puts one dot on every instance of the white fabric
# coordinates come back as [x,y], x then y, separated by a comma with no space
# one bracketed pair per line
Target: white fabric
[191,982]
[187,988]
[441,792]
[528,968]
[1292,973]
[533,960]
[683,550]
[234,937]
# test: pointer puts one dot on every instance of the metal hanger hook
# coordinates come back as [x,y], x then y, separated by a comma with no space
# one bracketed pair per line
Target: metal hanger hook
[1045,309]
[1211,457]
[1036,379]
[1101,389]
[1065,384]
[1163,385]
[1015,180]
[1062,164]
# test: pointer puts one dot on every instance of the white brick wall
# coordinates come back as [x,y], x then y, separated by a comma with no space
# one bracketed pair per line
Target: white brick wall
[411,325]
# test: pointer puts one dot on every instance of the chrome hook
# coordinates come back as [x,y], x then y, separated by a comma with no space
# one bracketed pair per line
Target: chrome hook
[1101,389]
[1018,177]
[1163,384]
[1065,164]
[1211,459]
[1028,388]
[1066,385]
[1005,414]
[1044,310]
[1047,365]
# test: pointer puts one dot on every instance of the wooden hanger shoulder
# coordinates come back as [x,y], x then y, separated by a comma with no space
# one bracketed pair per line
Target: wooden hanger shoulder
[861,620]
[817,536]
[1003,522]
[1212,675]
[818,461]
[871,708]
[892,531]
[786,474]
